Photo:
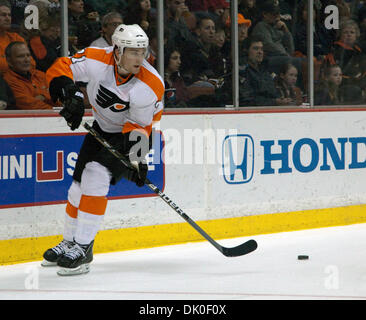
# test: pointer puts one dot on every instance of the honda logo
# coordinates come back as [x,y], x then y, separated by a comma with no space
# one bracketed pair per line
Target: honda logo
[238,158]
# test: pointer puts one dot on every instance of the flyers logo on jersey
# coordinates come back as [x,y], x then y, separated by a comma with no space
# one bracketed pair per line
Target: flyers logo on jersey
[108,99]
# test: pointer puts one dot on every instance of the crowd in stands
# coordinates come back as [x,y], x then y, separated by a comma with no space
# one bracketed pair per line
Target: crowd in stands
[272,36]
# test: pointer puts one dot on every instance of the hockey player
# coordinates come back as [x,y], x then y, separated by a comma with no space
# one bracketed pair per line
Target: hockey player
[125,93]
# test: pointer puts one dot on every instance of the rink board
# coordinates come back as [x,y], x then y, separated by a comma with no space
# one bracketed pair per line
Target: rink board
[234,173]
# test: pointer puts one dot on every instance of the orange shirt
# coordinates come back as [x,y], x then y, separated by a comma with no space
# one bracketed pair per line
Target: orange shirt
[26,90]
[5,40]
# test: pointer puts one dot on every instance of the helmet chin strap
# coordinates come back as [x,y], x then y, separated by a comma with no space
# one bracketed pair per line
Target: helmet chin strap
[120,69]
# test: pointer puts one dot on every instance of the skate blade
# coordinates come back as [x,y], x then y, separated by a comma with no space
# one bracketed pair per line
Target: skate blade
[46,263]
[84,268]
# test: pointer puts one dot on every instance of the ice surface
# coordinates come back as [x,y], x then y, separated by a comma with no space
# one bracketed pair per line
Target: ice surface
[197,271]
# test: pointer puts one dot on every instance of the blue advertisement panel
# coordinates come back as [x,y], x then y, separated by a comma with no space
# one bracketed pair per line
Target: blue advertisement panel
[38,169]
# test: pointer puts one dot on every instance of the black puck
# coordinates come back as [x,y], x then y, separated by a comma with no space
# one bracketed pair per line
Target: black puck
[302,257]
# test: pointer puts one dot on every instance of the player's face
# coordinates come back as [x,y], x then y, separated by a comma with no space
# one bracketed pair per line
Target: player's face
[132,59]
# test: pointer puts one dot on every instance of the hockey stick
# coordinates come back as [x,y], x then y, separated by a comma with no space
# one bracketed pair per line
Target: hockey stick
[239,250]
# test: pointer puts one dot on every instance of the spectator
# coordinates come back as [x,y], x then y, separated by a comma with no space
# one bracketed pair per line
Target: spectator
[256,83]
[220,38]
[243,31]
[17,13]
[249,9]
[219,10]
[277,40]
[198,5]
[109,23]
[6,37]
[327,91]
[285,83]
[361,21]
[322,37]
[286,12]
[6,96]
[177,94]
[139,12]
[179,33]
[45,12]
[29,85]
[348,55]
[153,44]
[205,62]
[45,48]
[84,27]
[106,6]
[323,40]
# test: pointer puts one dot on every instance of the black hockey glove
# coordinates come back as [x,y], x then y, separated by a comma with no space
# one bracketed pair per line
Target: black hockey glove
[138,176]
[134,150]
[137,156]
[64,89]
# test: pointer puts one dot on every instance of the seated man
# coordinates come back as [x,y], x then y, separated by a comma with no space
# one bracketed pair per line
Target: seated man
[257,86]
[278,42]
[109,23]
[5,36]
[29,85]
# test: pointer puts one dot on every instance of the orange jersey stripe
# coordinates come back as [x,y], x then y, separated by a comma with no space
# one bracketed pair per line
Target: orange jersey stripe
[97,54]
[152,81]
[62,65]
[71,210]
[128,127]
[157,116]
[93,205]
[60,68]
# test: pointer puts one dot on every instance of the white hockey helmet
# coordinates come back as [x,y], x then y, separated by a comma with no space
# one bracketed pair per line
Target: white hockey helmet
[129,36]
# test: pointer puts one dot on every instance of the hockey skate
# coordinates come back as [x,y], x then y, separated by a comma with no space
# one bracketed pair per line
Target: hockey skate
[51,255]
[76,261]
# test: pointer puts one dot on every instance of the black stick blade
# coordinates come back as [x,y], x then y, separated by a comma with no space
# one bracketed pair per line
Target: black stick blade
[245,248]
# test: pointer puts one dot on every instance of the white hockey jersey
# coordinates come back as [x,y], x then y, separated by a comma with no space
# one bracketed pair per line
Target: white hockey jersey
[118,104]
